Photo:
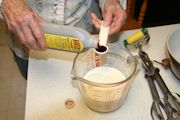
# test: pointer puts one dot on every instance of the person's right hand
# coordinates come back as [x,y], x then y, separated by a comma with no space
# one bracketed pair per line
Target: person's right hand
[114,16]
[22,21]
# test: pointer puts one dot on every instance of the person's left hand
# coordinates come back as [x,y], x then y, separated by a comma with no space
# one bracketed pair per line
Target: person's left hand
[113,14]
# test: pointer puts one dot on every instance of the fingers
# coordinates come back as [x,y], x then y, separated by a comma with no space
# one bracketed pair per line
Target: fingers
[32,33]
[29,37]
[118,21]
[96,21]
[111,20]
[38,34]
[114,28]
[21,36]
[114,16]
[108,17]
[29,32]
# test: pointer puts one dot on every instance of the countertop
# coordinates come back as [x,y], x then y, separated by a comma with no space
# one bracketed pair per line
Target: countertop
[49,83]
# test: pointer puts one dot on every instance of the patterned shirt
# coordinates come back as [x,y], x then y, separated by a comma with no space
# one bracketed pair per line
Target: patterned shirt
[66,12]
[61,11]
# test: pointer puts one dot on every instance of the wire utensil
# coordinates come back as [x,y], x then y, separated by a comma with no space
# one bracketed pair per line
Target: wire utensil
[168,107]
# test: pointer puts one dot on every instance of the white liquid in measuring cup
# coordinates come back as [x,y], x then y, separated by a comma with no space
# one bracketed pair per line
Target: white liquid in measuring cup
[104,75]
[105,99]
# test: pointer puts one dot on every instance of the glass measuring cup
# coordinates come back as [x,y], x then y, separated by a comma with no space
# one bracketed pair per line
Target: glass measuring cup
[107,94]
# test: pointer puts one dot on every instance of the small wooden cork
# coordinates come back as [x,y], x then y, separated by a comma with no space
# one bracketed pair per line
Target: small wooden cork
[69,103]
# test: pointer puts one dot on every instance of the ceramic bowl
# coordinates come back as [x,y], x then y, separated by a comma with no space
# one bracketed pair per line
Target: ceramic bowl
[173,49]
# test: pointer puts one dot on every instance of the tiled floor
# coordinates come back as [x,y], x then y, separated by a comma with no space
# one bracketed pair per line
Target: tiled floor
[12,84]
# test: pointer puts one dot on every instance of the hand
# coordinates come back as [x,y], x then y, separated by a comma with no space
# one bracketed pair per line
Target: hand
[22,21]
[113,14]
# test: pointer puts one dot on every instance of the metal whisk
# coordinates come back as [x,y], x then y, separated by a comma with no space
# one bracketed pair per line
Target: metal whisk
[166,108]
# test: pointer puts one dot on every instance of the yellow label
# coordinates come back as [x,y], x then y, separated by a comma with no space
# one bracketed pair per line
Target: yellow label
[64,43]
